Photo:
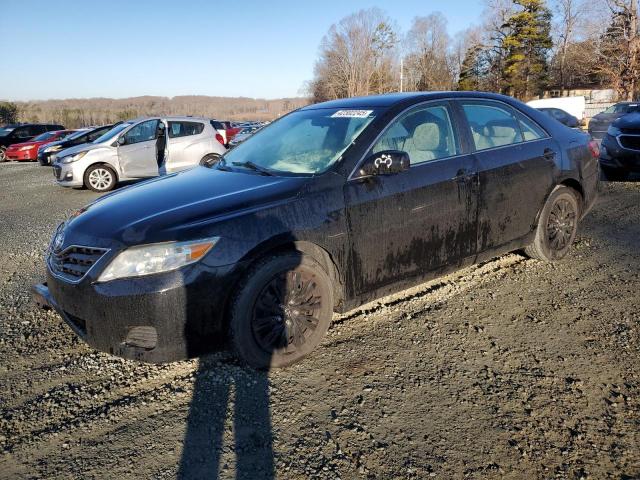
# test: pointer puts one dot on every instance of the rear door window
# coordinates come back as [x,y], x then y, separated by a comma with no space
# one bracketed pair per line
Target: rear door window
[492,124]
[184,129]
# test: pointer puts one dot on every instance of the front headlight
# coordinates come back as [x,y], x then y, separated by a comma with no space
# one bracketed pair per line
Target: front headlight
[28,147]
[156,258]
[73,158]
[55,148]
[613,131]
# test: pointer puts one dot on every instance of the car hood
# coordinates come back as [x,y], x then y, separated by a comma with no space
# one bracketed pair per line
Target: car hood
[630,120]
[604,118]
[79,148]
[180,206]
[24,144]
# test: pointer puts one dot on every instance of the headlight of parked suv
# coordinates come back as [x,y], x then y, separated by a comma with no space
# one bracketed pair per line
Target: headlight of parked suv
[156,258]
[55,148]
[613,131]
[73,158]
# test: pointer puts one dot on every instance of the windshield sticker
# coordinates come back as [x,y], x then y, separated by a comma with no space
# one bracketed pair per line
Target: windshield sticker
[352,114]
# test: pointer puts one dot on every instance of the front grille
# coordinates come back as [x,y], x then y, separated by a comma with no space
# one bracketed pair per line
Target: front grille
[631,142]
[57,171]
[74,262]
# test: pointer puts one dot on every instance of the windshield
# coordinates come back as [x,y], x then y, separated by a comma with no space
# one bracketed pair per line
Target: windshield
[112,133]
[303,142]
[44,136]
[6,131]
[622,108]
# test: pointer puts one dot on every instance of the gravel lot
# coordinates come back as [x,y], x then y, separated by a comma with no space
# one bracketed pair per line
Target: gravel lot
[510,369]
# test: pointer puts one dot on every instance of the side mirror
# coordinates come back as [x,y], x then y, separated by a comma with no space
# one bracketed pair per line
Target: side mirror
[387,162]
[121,140]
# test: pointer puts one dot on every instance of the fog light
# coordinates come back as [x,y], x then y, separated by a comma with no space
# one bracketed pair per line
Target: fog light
[69,176]
[143,337]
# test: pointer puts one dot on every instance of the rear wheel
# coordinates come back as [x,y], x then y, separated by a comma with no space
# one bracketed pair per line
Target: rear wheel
[100,178]
[282,311]
[210,159]
[557,225]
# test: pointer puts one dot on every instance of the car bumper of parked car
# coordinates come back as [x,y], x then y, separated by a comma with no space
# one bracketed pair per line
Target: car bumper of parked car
[20,156]
[44,158]
[66,176]
[613,155]
[157,318]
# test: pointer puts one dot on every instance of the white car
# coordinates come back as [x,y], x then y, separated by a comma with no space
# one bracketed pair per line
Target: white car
[139,148]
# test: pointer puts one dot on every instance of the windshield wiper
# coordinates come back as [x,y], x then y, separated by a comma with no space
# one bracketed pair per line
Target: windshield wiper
[256,168]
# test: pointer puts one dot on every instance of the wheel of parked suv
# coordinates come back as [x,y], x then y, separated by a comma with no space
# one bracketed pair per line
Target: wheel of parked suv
[100,178]
[614,174]
[3,156]
[557,225]
[210,159]
[282,310]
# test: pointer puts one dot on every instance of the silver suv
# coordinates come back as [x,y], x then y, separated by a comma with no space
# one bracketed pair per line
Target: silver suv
[138,148]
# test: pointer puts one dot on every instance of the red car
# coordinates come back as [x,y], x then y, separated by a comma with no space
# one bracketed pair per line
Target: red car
[28,151]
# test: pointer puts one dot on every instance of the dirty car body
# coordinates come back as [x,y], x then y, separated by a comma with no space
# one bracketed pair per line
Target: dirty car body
[475,172]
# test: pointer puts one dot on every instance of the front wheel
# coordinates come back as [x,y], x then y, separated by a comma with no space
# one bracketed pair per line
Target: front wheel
[3,155]
[100,178]
[557,225]
[282,311]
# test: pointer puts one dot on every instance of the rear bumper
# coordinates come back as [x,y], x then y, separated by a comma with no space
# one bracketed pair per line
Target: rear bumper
[612,155]
[159,318]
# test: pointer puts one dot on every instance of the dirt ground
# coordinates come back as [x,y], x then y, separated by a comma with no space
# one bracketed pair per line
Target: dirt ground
[509,369]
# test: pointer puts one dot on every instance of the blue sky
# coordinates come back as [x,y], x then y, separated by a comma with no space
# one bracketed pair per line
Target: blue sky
[117,48]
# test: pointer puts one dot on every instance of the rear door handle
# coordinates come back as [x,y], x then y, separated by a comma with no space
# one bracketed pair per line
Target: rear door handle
[464,175]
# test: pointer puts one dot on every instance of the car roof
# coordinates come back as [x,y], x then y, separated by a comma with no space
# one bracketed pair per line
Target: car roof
[391,99]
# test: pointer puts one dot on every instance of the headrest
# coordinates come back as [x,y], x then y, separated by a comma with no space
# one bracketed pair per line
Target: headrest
[427,136]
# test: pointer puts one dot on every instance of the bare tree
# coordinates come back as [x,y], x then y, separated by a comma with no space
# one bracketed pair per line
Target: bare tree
[429,61]
[357,57]
[568,14]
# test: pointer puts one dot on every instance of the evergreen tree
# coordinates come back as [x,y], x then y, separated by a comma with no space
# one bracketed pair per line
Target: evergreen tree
[527,47]
[471,70]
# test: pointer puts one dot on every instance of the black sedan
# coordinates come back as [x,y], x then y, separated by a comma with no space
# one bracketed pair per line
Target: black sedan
[563,117]
[331,206]
[85,135]
[599,124]
[620,148]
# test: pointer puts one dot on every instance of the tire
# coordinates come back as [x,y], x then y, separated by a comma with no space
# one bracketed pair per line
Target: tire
[557,225]
[210,159]
[269,328]
[614,174]
[3,156]
[100,178]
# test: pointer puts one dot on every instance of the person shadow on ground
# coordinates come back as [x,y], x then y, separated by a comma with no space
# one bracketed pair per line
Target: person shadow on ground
[227,389]
[211,402]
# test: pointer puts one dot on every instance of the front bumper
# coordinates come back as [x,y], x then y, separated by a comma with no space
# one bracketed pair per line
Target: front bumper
[613,155]
[158,318]
[66,176]
[20,156]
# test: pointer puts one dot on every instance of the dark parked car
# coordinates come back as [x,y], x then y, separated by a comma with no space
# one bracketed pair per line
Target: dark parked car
[620,148]
[22,132]
[329,207]
[599,124]
[86,135]
[563,117]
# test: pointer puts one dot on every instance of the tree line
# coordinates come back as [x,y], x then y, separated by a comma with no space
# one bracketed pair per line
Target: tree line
[81,112]
[520,48]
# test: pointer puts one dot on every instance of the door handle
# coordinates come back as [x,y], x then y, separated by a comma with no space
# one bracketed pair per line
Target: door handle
[549,154]
[463,175]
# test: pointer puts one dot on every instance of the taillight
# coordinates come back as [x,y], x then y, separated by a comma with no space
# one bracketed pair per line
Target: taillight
[219,138]
[594,149]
